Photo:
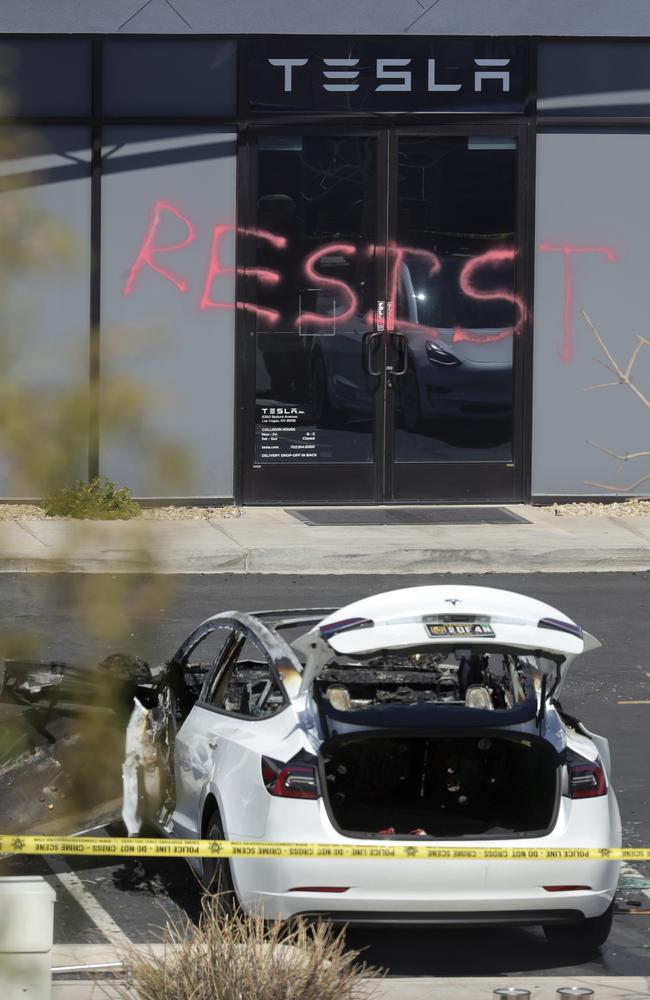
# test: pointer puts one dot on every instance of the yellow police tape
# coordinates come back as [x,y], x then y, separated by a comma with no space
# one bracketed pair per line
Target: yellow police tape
[162,848]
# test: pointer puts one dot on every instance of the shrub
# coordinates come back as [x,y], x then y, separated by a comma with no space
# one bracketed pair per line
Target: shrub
[243,957]
[98,499]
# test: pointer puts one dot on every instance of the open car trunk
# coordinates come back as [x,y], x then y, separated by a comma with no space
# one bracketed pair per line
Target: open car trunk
[473,785]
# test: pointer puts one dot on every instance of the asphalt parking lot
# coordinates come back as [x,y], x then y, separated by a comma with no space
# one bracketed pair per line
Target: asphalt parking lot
[100,900]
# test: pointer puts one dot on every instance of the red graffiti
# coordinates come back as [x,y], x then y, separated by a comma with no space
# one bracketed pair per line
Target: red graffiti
[492,258]
[215,268]
[333,284]
[566,350]
[279,242]
[345,294]
[398,254]
[148,248]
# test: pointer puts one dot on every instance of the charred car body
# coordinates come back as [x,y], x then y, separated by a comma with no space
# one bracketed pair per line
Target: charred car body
[429,713]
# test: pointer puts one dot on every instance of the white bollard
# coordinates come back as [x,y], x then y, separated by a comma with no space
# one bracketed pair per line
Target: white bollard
[26,932]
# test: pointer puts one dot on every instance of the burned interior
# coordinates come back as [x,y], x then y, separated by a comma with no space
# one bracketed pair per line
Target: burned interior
[414,744]
[473,677]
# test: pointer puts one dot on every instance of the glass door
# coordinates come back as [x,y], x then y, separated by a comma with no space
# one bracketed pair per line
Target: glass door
[313,271]
[459,310]
[382,315]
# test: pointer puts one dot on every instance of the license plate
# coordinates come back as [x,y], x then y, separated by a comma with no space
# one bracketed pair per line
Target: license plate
[461,628]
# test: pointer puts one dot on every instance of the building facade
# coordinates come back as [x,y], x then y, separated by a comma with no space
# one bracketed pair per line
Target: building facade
[370,254]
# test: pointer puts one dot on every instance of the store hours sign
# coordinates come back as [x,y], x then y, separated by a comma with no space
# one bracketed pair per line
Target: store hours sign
[394,74]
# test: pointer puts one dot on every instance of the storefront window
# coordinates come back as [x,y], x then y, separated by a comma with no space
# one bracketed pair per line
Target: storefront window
[456,299]
[593,219]
[168,303]
[44,313]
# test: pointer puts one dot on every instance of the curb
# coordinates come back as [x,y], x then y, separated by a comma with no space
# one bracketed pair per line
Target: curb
[305,560]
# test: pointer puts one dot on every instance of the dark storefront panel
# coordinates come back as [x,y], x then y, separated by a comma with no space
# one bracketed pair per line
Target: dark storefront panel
[594,79]
[41,77]
[194,77]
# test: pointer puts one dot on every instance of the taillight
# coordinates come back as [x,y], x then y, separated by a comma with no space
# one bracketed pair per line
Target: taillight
[290,781]
[586,781]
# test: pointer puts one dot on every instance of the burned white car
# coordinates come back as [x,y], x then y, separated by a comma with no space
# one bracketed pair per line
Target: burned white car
[424,714]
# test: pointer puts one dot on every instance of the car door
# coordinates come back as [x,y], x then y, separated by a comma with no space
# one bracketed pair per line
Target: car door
[240,715]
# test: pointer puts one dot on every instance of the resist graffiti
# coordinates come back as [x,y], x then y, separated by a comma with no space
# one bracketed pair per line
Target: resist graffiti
[477,279]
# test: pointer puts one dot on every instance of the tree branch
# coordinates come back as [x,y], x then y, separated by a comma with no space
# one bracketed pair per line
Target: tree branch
[618,489]
[621,458]
[615,368]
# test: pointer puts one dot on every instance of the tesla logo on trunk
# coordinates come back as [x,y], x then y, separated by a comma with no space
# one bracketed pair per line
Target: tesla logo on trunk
[342,75]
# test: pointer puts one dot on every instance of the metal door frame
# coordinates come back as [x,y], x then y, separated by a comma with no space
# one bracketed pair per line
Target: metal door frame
[379,486]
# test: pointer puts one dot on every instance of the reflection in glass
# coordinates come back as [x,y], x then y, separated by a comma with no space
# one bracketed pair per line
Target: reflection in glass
[452,277]
[311,295]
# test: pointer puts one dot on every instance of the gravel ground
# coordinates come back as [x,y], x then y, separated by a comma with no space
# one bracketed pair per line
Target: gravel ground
[626,508]
[31,512]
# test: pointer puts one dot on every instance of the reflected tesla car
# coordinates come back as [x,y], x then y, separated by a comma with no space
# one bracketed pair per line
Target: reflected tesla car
[441,375]
[428,714]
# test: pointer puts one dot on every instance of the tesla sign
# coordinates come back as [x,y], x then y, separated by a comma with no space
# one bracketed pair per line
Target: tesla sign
[409,75]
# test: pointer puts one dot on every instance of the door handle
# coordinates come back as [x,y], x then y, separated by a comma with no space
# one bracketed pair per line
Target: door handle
[399,344]
[370,339]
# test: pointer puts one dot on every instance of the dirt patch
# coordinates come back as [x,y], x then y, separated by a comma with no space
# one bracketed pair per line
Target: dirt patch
[32,512]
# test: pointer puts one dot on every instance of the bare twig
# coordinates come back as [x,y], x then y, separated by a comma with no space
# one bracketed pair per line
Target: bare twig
[618,489]
[624,377]
[622,458]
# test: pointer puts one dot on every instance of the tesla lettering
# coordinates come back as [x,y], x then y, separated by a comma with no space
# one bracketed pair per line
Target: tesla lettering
[341,75]
[433,86]
[288,65]
[385,73]
[345,73]
[491,74]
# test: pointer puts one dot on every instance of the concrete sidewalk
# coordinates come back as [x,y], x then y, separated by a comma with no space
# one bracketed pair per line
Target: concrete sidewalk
[270,540]
[423,988]
[392,988]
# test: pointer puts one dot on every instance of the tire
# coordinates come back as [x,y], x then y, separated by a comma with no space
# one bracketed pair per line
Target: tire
[217,878]
[587,936]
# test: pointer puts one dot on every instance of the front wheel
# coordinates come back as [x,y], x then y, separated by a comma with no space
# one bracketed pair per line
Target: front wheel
[586,936]
[217,878]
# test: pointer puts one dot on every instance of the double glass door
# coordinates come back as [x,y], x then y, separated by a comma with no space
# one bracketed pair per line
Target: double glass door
[382,315]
